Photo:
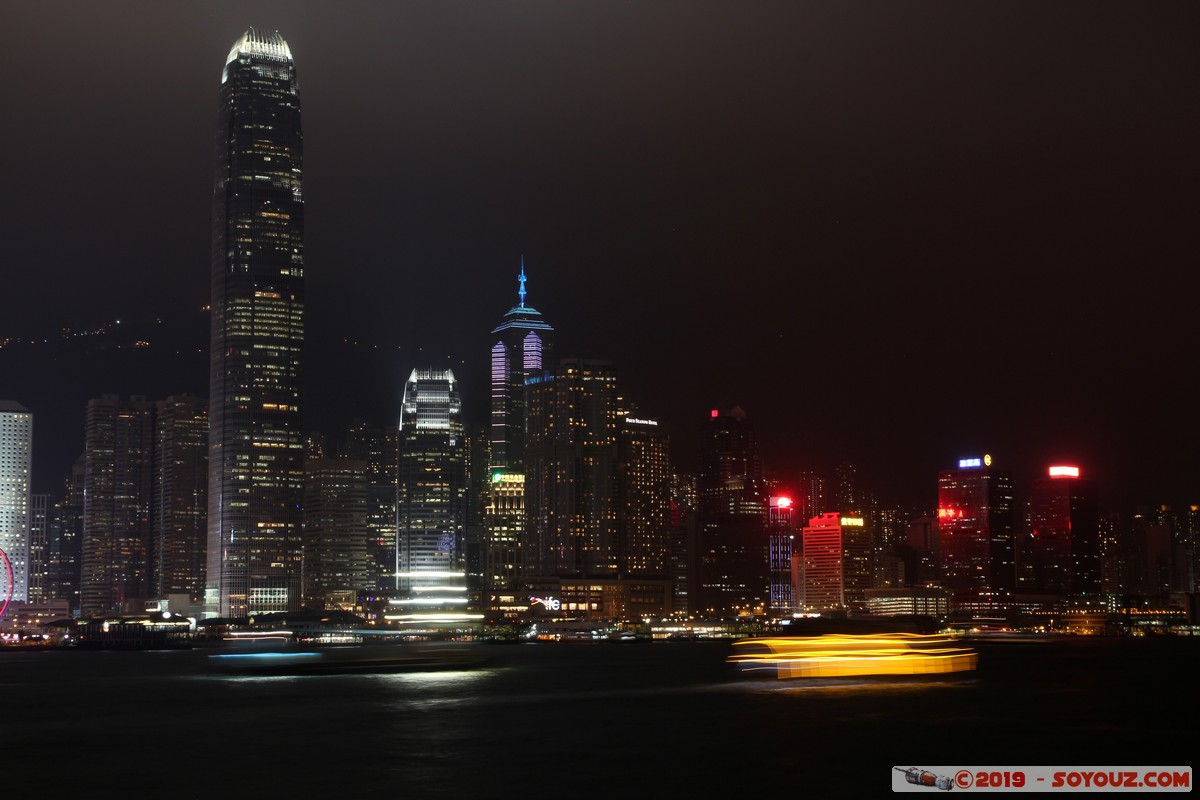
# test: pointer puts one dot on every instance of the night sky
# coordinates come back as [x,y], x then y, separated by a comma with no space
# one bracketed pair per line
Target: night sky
[894,233]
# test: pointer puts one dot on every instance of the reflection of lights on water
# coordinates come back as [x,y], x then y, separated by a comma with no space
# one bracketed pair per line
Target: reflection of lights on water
[267,655]
[838,655]
[435,678]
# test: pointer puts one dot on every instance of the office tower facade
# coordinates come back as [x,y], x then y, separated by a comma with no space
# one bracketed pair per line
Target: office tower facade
[1064,535]
[16,451]
[681,546]
[821,579]
[732,559]
[42,518]
[976,524]
[835,571]
[431,488]
[180,497]
[504,526]
[782,553]
[379,448]
[66,544]
[118,481]
[643,498]
[810,497]
[573,421]
[256,440]
[336,536]
[479,479]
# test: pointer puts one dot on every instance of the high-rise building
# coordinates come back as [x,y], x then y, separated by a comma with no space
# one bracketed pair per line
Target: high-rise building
[118,480]
[573,421]
[16,449]
[643,498]
[1064,535]
[479,482]
[504,523]
[66,541]
[976,526]
[180,497]
[810,496]
[835,568]
[42,518]
[681,544]
[523,346]
[378,447]
[256,439]
[431,488]
[782,552]
[732,559]
[336,536]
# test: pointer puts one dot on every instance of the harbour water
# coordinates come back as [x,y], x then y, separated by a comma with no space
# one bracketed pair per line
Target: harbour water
[579,720]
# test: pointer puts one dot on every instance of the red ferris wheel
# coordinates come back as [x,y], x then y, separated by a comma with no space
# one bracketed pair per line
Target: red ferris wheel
[8,582]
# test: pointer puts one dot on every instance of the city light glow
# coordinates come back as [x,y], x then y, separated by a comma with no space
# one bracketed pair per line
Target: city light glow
[1064,472]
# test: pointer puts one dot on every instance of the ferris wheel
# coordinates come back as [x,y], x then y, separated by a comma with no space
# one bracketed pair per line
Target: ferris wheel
[8,583]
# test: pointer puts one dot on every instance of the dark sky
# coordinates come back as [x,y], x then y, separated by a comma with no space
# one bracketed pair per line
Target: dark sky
[895,233]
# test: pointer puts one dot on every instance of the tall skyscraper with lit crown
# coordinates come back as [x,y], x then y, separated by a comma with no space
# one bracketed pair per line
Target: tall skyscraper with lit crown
[431,483]
[523,345]
[256,442]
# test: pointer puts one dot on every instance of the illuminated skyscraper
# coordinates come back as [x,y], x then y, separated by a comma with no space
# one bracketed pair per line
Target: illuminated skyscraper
[782,551]
[43,517]
[66,548]
[731,558]
[523,345]
[643,498]
[16,447]
[1064,535]
[573,422]
[835,565]
[336,566]
[256,442]
[118,481]
[976,524]
[431,494]
[379,448]
[180,497]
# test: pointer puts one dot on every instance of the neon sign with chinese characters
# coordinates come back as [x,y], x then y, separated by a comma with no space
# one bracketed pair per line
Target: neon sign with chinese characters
[975,463]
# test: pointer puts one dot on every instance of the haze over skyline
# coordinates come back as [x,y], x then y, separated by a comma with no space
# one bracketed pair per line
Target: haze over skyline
[896,235]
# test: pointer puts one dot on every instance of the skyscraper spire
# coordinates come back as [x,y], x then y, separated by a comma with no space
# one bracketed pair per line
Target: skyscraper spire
[521,281]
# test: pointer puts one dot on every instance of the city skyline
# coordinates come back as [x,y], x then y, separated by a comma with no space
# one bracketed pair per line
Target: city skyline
[895,282]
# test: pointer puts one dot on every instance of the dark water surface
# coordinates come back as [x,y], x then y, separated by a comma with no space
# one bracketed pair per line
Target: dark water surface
[579,720]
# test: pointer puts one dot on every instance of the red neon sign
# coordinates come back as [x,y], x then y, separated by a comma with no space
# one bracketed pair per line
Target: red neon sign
[1064,472]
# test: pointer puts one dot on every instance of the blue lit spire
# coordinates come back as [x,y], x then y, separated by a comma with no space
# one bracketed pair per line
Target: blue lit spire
[521,280]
